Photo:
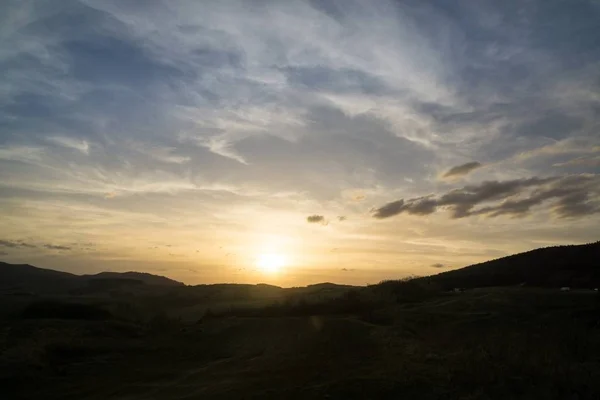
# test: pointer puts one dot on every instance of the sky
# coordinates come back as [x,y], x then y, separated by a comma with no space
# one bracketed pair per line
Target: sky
[295,142]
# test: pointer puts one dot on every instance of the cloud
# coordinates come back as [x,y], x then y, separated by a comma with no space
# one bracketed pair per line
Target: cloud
[573,196]
[15,244]
[222,147]
[560,147]
[71,143]
[28,154]
[390,209]
[354,195]
[462,170]
[592,161]
[315,219]
[342,218]
[438,265]
[23,244]
[347,269]
[57,247]
[165,154]
[3,253]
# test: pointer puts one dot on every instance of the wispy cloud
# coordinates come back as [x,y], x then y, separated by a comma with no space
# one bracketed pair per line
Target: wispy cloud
[222,147]
[566,146]
[76,144]
[591,161]
[21,153]
[15,244]
[462,170]
[57,247]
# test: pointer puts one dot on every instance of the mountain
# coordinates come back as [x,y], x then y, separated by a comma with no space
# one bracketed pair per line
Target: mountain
[26,277]
[573,266]
[142,277]
[30,278]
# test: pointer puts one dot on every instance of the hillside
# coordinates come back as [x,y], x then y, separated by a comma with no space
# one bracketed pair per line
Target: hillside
[29,278]
[575,266]
[24,277]
[146,278]
[396,339]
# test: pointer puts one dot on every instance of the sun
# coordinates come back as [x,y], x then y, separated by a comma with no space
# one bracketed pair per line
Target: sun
[270,263]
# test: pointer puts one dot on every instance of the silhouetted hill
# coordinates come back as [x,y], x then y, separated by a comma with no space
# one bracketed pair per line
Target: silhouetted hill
[148,279]
[24,277]
[574,266]
[327,285]
[28,277]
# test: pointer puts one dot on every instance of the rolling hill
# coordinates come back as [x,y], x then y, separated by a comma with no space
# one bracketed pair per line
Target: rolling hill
[29,278]
[389,340]
[24,277]
[575,266]
[146,278]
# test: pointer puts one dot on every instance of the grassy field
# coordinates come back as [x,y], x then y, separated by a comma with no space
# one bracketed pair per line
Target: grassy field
[494,343]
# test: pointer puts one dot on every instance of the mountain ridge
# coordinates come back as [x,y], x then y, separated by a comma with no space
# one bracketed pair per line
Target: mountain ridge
[29,277]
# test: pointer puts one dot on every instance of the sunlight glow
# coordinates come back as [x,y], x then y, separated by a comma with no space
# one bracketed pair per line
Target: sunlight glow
[270,263]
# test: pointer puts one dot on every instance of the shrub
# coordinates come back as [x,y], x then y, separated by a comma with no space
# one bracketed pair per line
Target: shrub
[60,310]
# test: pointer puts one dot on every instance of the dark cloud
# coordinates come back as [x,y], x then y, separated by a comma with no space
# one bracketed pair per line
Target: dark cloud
[315,219]
[423,206]
[3,253]
[390,209]
[438,265]
[574,196]
[22,244]
[462,201]
[342,218]
[56,247]
[347,269]
[7,243]
[461,170]
[18,243]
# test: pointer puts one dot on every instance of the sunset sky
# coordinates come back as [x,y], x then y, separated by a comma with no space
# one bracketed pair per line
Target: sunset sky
[295,142]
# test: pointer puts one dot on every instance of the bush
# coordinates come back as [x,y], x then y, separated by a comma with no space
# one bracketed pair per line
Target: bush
[408,290]
[49,309]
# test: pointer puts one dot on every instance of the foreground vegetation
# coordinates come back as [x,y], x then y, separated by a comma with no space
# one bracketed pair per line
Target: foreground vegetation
[385,341]
[511,334]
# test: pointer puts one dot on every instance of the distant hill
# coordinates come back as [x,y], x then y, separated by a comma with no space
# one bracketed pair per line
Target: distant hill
[26,277]
[143,277]
[574,266]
